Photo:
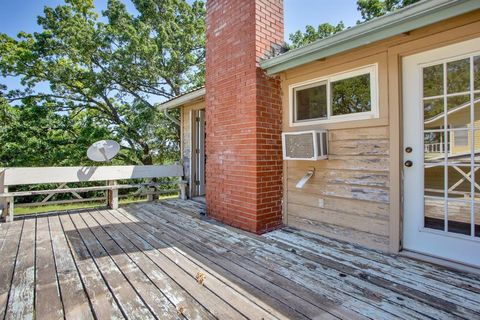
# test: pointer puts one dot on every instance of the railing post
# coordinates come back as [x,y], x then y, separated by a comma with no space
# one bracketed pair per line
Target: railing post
[151,197]
[112,195]
[3,189]
[183,189]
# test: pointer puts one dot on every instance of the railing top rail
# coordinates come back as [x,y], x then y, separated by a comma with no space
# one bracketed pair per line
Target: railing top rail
[37,175]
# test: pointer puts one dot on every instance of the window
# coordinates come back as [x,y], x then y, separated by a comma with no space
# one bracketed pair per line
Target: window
[346,96]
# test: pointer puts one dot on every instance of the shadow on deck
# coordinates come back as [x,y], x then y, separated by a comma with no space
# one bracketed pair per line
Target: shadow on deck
[163,260]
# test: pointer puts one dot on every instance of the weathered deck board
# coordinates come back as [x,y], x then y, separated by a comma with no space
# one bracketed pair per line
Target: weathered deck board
[21,298]
[151,264]
[129,301]
[104,304]
[8,252]
[74,298]
[48,304]
[164,261]
[284,262]
[238,297]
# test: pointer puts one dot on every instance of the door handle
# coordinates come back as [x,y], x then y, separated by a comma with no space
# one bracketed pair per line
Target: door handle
[408,163]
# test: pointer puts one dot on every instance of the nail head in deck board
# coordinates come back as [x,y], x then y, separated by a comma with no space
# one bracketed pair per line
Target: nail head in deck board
[128,300]
[48,304]
[21,298]
[8,253]
[158,304]
[293,270]
[75,301]
[101,299]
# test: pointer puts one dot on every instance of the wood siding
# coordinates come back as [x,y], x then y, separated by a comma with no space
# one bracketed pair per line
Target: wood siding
[186,135]
[355,195]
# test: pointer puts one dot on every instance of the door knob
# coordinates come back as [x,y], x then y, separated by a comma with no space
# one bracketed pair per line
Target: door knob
[408,163]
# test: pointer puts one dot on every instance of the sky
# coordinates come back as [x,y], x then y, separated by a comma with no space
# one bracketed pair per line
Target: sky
[20,15]
[16,15]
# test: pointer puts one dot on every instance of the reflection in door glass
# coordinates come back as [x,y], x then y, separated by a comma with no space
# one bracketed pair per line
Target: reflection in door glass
[452,146]
[458,76]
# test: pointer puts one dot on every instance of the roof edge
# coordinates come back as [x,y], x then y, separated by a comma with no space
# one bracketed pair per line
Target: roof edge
[182,99]
[413,17]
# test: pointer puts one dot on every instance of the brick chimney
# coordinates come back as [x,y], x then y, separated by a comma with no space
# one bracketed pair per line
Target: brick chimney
[243,112]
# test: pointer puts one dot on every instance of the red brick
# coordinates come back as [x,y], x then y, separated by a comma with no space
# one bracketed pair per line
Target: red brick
[243,110]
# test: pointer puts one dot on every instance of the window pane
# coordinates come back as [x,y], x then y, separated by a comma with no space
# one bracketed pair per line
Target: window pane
[311,103]
[433,81]
[458,76]
[351,95]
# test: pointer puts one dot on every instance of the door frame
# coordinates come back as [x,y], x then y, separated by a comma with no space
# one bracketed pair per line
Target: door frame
[410,43]
[448,241]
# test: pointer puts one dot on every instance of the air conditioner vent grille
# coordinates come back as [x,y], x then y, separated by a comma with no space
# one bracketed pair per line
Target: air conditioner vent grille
[305,145]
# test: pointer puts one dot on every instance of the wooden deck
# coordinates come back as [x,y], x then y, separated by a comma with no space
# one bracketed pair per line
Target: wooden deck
[164,260]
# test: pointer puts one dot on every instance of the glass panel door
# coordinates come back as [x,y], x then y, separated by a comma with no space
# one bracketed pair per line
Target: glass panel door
[451,145]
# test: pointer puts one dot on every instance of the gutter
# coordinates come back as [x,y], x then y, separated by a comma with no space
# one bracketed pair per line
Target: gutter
[418,15]
[182,99]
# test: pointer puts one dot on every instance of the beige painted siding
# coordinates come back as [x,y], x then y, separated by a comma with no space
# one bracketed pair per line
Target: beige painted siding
[355,195]
[186,141]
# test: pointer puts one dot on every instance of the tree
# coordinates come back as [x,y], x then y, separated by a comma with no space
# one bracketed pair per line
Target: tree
[370,9]
[110,69]
[299,39]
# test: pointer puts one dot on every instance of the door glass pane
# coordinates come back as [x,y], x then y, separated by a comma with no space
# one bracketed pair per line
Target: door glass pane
[459,177]
[434,213]
[459,217]
[434,147]
[433,112]
[459,146]
[433,81]
[434,181]
[458,76]
[476,72]
[458,111]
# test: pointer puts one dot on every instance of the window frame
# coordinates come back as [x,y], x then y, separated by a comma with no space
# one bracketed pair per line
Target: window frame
[372,70]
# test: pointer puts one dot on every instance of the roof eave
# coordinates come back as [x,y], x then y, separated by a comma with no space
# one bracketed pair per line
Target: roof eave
[422,14]
[182,100]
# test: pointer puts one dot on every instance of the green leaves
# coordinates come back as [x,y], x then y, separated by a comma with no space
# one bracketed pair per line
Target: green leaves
[370,9]
[300,39]
[107,72]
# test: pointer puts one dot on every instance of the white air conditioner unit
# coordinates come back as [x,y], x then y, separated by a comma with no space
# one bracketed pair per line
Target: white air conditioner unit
[305,145]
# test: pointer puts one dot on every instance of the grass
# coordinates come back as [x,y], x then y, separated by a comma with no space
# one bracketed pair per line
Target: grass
[74,206]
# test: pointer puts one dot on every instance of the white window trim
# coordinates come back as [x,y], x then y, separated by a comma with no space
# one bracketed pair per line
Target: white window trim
[374,113]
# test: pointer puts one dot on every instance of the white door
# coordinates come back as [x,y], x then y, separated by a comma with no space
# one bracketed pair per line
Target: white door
[441,125]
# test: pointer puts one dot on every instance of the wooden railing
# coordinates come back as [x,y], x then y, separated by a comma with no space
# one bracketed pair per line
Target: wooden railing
[61,176]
